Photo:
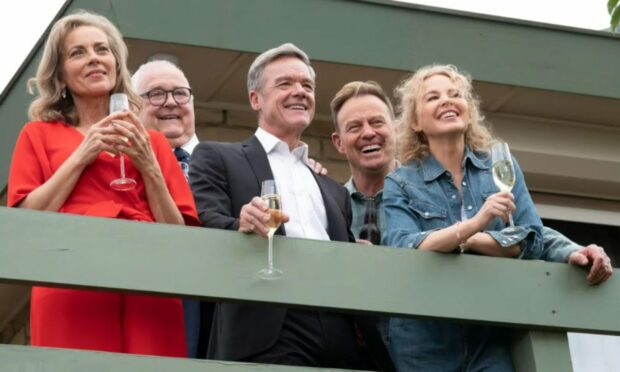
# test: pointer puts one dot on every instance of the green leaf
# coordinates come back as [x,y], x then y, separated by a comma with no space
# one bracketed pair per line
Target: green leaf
[611,4]
[615,19]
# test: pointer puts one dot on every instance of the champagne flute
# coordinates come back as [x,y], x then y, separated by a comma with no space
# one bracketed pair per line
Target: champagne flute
[120,102]
[503,172]
[269,193]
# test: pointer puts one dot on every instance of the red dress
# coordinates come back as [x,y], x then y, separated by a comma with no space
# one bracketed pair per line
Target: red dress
[98,320]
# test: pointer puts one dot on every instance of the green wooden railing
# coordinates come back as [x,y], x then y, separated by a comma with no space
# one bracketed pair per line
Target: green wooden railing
[542,300]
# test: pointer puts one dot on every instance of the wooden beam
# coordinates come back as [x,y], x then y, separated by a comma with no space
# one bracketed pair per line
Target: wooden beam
[29,359]
[64,250]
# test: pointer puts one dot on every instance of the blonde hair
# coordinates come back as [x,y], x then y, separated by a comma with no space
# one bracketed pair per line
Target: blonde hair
[414,145]
[48,81]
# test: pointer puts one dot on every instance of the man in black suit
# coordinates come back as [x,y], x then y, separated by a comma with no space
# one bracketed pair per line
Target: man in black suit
[226,180]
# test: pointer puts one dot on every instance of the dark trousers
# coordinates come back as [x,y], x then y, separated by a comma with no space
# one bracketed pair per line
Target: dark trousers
[191,315]
[198,319]
[207,309]
[317,339]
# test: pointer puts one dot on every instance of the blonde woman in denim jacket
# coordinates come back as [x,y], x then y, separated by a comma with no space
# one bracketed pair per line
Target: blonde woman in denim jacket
[443,199]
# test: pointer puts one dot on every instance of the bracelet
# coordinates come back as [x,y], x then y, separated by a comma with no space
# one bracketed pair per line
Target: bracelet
[459,239]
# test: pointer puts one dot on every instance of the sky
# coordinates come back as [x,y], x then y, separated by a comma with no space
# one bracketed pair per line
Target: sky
[588,14]
[21,27]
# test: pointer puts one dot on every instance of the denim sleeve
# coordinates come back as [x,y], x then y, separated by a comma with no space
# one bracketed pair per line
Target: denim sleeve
[530,233]
[557,246]
[403,225]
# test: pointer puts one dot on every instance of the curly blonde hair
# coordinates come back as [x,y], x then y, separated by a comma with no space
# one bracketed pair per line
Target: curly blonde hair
[414,145]
[50,105]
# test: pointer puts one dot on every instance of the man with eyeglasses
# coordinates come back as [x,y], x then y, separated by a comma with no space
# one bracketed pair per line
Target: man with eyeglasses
[169,108]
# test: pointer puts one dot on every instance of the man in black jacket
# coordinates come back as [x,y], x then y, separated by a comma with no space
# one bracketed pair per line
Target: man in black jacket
[226,181]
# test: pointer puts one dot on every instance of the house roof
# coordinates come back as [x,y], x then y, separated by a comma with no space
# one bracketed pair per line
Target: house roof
[551,89]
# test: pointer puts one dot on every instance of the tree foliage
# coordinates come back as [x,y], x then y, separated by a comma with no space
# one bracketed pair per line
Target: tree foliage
[613,7]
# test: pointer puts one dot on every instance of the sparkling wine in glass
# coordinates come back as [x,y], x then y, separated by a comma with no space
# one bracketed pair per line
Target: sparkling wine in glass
[503,171]
[269,193]
[120,102]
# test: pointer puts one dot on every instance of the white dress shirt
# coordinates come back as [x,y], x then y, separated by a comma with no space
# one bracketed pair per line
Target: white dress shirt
[299,193]
[190,145]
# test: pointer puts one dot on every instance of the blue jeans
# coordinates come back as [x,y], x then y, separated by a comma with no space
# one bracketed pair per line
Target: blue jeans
[441,346]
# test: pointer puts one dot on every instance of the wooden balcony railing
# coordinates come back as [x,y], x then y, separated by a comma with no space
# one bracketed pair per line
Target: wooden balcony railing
[542,300]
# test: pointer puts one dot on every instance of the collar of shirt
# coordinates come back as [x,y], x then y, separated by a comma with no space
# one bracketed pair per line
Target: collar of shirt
[357,195]
[432,168]
[190,145]
[272,143]
[301,196]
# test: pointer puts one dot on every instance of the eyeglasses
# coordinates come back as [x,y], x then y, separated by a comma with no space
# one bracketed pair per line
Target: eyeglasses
[158,96]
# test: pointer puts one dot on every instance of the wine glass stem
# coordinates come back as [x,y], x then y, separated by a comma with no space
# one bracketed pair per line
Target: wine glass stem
[510,220]
[270,253]
[122,165]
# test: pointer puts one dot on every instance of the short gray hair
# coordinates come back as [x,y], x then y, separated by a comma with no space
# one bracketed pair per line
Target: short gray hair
[136,79]
[255,74]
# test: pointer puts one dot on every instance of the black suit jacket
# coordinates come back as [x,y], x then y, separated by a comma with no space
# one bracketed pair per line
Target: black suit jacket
[223,178]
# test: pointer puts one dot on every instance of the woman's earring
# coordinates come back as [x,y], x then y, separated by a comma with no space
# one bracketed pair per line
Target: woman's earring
[63,94]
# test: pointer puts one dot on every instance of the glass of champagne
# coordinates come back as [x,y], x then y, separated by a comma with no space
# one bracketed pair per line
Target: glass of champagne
[269,193]
[120,102]
[503,172]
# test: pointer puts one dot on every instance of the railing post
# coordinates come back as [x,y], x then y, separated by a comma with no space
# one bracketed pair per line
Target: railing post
[539,351]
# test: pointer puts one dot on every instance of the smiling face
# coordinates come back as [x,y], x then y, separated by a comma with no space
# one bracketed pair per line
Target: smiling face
[366,134]
[176,122]
[89,67]
[441,109]
[285,101]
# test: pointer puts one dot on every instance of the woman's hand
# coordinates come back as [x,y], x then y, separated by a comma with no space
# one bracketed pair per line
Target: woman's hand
[53,193]
[595,257]
[101,136]
[137,145]
[500,205]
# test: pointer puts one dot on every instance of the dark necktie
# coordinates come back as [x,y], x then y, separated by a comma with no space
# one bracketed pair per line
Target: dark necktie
[183,158]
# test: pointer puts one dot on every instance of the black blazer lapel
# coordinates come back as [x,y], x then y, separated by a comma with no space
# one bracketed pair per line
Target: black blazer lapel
[257,158]
[336,224]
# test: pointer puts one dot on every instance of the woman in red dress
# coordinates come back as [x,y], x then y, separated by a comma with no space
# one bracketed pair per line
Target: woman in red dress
[64,161]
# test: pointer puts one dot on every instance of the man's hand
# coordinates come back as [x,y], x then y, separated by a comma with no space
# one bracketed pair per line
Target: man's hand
[317,167]
[254,217]
[595,257]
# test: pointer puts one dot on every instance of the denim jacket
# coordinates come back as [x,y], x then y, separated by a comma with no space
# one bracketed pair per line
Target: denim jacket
[420,197]
[558,248]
